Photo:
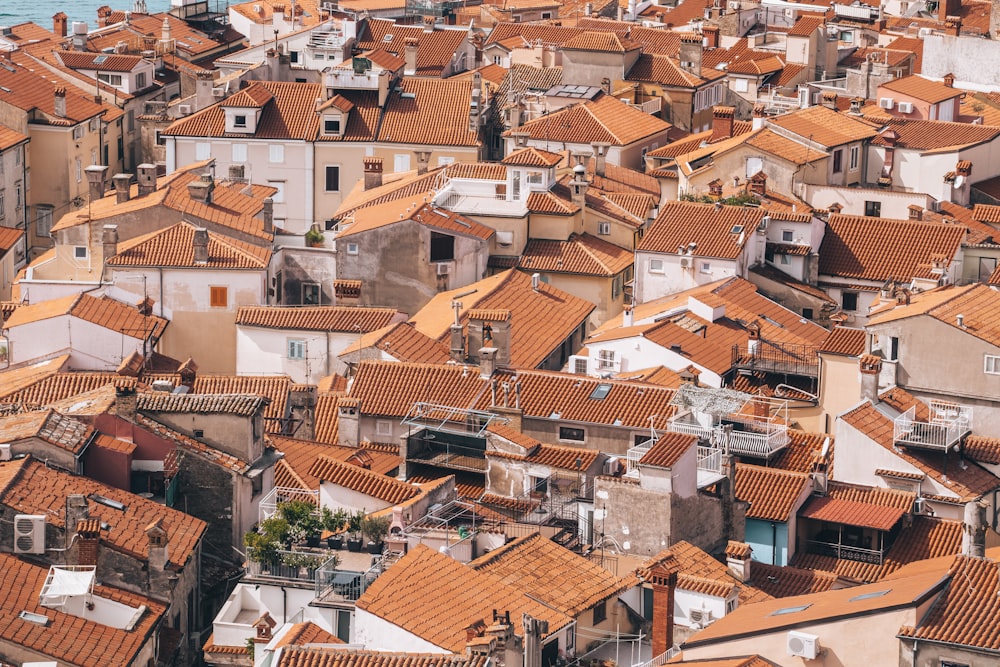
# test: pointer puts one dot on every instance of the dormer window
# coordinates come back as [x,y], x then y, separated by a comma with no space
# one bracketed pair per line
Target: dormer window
[331,126]
[240,120]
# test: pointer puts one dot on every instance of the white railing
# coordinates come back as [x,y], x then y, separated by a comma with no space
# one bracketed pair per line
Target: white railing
[662,659]
[946,425]
[650,106]
[281,494]
[766,438]
[634,455]
[710,459]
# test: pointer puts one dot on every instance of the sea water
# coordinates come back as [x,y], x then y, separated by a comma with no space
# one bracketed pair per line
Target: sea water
[13,12]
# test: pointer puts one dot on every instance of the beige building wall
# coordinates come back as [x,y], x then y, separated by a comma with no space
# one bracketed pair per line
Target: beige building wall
[839,391]
[595,289]
[440,155]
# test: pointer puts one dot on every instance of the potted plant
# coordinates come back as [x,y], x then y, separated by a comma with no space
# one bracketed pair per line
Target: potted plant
[304,524]
[303,561]
[354,526]
[314,238]
[375,529]
[334,522]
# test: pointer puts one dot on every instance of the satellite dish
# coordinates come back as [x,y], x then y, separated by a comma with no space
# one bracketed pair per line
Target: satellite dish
[959,180]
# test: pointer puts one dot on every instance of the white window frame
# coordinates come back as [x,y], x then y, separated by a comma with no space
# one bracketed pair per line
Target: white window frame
[296,349]
[606,359]
[785,259]
[239,153]
[401,160]
[655,266]
[279,196]
[854,159]
[383,427]
[575,428]
[604,228]
[240,120]
[79,132]
[78,165]
[787,235]
[80,252]
[991,364]
[706,267]
[43,220]
[352,248]
[202,150]
[276,153]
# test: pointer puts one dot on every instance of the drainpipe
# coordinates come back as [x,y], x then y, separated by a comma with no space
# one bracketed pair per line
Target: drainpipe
[774,542]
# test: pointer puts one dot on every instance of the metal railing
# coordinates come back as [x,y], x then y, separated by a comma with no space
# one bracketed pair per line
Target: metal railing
[784,358]
[763,438]
[634,455]
[845,552]
[710,459]
[662,659]
[282,494]
[282,570]
[346,585]
[947,424]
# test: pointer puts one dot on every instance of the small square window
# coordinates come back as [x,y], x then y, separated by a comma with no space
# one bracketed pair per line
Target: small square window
[849,301]
[807,313]
[706,267]
[785,260]
[310,294]
[219,297]
[656,266]
[276,153]
[240,121]
[352,248]
[331,126]
[383,427]
[80,252]
[572,434]
[992,364]
[160,141]
[604,228]
[787,235]
[296,349]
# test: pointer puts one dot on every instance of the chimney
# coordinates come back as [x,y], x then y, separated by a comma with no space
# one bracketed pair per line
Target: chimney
[974,529]
[758,117]
[384,82]
[60,102]
[830,100]
[109,241]
[201,188]
[161,578]
[373,172]
[805,98]
[59,24]
[77,510]
[663,578]
[203,95]
[487,361]
[123,185]
[165,30]
[410,55]
[715,188]
[125,403]
[753,337]
[627,317]
[97,179]
[600,157]
[200,243]
[738,560]
[711,33]
[268,214]
[871,368]
[423,160]
[856,103]
[88,540]
[915,212]
[146,178]
[691,52]
[348,422]
[79,35]
[520,139]
[952,25]
[722,122]
[579,185]
[263,626]
[758,184]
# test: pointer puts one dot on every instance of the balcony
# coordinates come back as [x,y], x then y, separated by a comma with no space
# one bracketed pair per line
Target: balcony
[780,358]
[709,466]
[946,425]
[334,585]
[845,552]
[281,494]
[743,435]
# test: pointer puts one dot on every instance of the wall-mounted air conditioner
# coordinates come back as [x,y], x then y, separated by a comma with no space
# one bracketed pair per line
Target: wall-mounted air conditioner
[802,644]
[885,102]
[905,107]
[29,534]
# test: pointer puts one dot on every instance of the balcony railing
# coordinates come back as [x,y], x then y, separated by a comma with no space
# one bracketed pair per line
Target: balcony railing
[844,552]
[282,494]
[947,424]
[634,455]
[333,584]
[710,459]
[782,358]
[760,438]
[281,570]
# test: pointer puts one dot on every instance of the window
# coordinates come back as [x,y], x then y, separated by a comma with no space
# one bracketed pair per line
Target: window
[580,366]
[730,606]
[539,485]
[310,294]
[950,663]
[787,235]
[656,266]
[807,313]
[219,297]
[80,252]
[140,80]
[332,179]
[838,161]
[616,287]
[279,196]
[892,353]
[401,162]
[160,141]
[352,248]
[296,348]
[855,152]
[706,267]
[992,364]
[3,213]
[444,160]
[383,427]
[240,120]
[572,434]
[294,56]
[202,150]
[847,36]
[79,131]
[606,359]
[546,15]
[331,126]
[741,85]
[873,209]
[43,220]
[442,247]
[534,177]
[239,153]
[604,228]
[600,612]
[785,260]
[110,79]
[276,153]
[849,301]
[497,60]
[95,124]
[79,170]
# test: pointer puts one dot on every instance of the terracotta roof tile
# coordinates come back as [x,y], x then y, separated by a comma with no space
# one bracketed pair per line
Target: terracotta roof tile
[435,49]
[359,480]
[982,449]
[402,342]
[881,249]
[288,113]
[550,202]
[64,432]
[825,126]
[436,115]
[668,450]
[315,318]
[852,513]
[580,254]
[316,656]
[244,405]
[717,232]
[8,237]
[34,92]
[532,157]
[301,634]
[605,119]
[700,566]
[666,70]
[395,211]
[772,493]
[69,639]
[302,455]
[391,388]
[918,87]
[783,147]
[552,574]
[929,135]
[38,489]
[802,451]
[274,388]
[977,303]
[784,581]
[845,342]
[463,597]
[216,456]
[174,247]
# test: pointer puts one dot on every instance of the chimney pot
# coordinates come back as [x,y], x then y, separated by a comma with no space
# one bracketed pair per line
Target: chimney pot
[123,185]
[373,172]
[200,243]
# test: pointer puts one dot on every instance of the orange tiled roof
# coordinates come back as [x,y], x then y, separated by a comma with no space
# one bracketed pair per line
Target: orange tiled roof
[315,318]
[802,451]
[34,92]
[668,450]
[580,254]
[845,342]
[605,119]
[982,449]
[274,388]
[10,138]
[174,247]
[783,147]
[918,87]
[366,482]
[718,232]
[784,581]
[540,319]
[824,126]
[70,639]
[930,135]
[102,311]
[398,210]
[435,49]
[307,633]
[852,513]
[977,303]
[402,342]
[211,454]
[302,455]
[697,566]
[9,236]
[771,492]
[115,62]
[48,425]
[532,157]
[436,115]
[552,574]
[318,656]
[880,249]
[666,70]
[38,489]
[462,597]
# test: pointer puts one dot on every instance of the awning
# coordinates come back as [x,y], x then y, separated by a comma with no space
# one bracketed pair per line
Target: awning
[852,513]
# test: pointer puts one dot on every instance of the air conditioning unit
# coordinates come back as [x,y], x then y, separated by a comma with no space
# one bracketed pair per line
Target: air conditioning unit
[163,385]
[29,534]
[685,262]
[611,466]
[924,32]
[5,451]
[700,617]
[905,107]
[802,644]
[919,505]
[885,102]
[443,268]
[183,109]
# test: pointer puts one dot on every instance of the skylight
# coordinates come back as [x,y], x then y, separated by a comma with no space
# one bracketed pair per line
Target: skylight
[737,229]
[31,617]
[869,596]
[790,610]
[601,391]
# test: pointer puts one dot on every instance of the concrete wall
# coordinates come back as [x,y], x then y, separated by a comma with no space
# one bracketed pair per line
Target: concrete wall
[770,545]
[236,435]
[265,352]
[292,267]
[589,68]
[374,633]
[971,59]
[650,285]
[204,490]
[334,496]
